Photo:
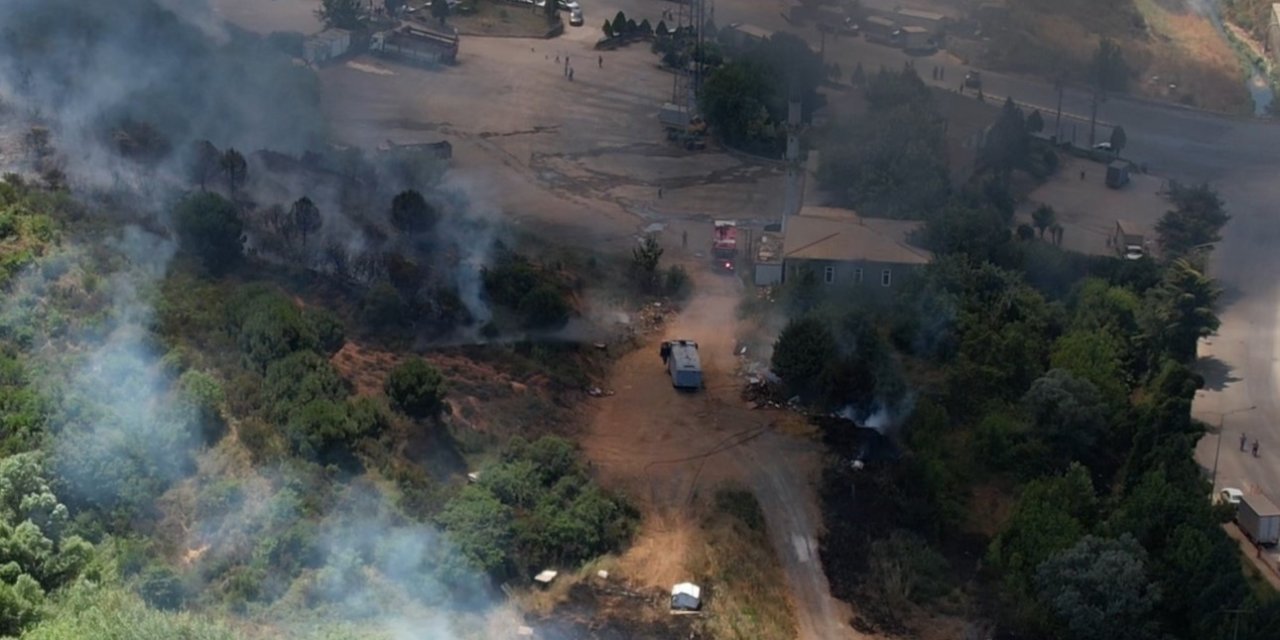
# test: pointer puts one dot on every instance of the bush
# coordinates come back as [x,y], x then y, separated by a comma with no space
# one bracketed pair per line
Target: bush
[160,588]
[328,329]
[417,389]
[209,227]
[544,307]
[677,283]
[272,328]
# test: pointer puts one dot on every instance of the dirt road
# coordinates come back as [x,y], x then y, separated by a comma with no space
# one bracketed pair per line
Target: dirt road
[668,449]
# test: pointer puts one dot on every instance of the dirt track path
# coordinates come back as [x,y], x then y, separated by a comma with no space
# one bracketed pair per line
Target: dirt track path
[666,449]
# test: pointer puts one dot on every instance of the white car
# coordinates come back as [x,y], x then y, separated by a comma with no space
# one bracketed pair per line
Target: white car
[569,5]
[1231,495]
[575,18]
[1103,146]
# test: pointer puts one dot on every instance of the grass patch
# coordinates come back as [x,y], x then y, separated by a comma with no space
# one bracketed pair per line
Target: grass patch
[745,591]
[496,18]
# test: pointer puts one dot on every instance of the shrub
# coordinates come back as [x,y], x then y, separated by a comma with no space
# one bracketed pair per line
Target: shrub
[544,307]
[416,388]
[160,588]
[328,329]
[209,227]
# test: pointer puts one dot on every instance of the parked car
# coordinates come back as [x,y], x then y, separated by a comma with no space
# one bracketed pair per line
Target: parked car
[1230,495]
[973,80]
[569,5]
[575,18]
[1103,146]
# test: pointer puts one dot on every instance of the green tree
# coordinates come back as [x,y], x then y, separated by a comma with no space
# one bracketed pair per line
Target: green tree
[1035,122]
[620,24]
[271,328]
[1052,514]
[1069,414]
[644,264]
[1007,145]
[205,160]
[161,588]
[417,389]
[1118,140]
[1096,356]
[341,14]
[544,307]
[802,352]
[410,213]
[734,101]
[1181,310]
[209,227]
[1044,217]
[328,329]
[480,527]
[859,76]
[298,379]
[551,9]
[1196,219]
[204,395]
[1109,71]
[234,169]
[608,29]
[1099,590]
[305,217]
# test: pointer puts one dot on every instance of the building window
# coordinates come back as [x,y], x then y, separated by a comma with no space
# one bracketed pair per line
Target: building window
[885,278]
[857,276]
[829,274]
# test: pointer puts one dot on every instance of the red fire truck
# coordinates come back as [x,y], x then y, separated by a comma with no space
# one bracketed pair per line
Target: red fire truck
[724,245]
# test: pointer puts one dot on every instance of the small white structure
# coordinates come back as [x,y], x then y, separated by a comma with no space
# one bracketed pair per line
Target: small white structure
[524,632]
[474,476]
[546,577]
[602,574]
[686,596]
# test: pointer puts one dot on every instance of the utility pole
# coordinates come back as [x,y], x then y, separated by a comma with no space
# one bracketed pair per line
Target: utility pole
[1057,122]
[1093,116]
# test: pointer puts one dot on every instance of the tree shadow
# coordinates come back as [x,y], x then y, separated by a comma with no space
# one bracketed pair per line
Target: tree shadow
[1216,373]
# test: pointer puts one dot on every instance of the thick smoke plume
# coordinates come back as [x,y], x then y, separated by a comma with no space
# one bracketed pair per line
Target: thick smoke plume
[124,89]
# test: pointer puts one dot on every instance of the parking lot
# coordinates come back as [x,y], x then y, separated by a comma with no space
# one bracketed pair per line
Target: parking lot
[1087,209]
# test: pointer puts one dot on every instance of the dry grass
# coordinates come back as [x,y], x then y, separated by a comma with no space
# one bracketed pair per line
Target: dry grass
[744,589]
[494,18]
[1177,46]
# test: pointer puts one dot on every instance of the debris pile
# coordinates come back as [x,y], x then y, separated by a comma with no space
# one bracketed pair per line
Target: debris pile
[762,388]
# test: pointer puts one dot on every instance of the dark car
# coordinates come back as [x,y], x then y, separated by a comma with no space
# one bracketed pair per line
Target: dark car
[973,80]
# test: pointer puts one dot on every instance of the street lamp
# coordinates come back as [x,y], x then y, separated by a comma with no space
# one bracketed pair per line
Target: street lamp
[1222,418]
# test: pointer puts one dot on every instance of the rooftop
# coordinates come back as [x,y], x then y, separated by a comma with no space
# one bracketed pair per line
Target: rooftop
[685,355]
[751,30]
[923,15]
[826,233]
[910,29]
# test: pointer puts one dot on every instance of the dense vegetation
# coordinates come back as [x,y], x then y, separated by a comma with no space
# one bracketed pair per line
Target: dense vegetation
[1059,383]
[182,441]
[745,99]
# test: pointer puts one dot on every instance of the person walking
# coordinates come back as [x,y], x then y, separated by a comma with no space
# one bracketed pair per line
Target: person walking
[1255,448]
[601,62]
[1243,439]
[684,239]
[570,74]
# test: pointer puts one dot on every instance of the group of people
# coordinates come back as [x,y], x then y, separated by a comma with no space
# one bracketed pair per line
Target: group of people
[1244,439]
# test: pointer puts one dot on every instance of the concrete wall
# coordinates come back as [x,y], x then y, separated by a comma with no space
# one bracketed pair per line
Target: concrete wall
[846,274]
